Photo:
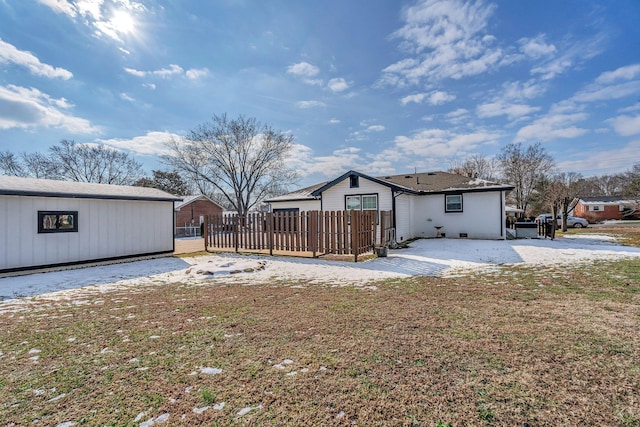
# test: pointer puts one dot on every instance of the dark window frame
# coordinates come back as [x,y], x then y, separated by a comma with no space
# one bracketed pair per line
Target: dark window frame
[446,203]
[376,210]
[354,181]
[58,214]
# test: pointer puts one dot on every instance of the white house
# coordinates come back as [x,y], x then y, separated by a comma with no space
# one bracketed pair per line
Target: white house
[424,204]
[46,223]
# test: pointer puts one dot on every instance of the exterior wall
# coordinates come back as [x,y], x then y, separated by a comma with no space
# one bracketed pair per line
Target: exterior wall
[197,208]
[482,216]
[333,199]
[106,229]
[606,212]
[303,205]
[404,217]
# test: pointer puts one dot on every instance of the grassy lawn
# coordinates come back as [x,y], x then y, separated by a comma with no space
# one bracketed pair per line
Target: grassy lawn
[555,346]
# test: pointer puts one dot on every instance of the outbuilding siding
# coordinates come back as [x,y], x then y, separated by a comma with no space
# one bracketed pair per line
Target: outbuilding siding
[106,229]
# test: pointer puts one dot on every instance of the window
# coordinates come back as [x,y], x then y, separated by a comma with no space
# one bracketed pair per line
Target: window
[368,202]
[353,203]
[453,203]
[353,181]
[595,208]
[57,221]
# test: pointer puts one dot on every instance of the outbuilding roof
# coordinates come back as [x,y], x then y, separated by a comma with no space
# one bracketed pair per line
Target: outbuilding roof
[17,186]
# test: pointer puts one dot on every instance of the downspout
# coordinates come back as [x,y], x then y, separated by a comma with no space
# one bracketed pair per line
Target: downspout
[502,218]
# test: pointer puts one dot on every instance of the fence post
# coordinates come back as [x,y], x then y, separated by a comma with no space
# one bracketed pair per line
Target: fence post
[206,231]
[236,225]
[355,226]
[270,232]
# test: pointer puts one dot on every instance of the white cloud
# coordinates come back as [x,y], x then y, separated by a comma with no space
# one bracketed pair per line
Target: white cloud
[499,108]
[10,54]
[126,97]
[310,104]
[572,56]
[416,97]
[553,126]
[626,125]
[334,121]
[434,98]
[601,93]
[375,128]
[303,160]
[536,47]
[602,162]
[448,39]
[628,72]
[111,18]
[303,69]
[337,85]
[439,143]
[60,6]
[196,73]
[22,107]
[163,73]
[153,143]
[151,86]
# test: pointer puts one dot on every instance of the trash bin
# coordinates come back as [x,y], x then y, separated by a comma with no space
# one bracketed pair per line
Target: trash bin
[526,230]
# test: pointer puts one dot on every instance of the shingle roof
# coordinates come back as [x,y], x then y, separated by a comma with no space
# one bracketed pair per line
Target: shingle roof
[16,186]
[190,199]
[436,182]
[301,194]
[417,183]
[603,200]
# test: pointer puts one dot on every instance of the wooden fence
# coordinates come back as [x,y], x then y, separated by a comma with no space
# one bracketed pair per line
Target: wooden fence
[314,232]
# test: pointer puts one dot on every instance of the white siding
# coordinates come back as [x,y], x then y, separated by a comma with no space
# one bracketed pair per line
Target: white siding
[106,229]
[404,215]
[482,216]
[333,199]
[303,205]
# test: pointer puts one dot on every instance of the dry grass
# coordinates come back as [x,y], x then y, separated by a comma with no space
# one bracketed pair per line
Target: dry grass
[520,345]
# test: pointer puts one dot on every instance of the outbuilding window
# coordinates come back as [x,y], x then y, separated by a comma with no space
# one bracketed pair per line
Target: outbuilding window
[57,221]
[453,203]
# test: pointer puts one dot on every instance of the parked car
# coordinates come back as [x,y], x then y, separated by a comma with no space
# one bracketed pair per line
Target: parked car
[572,221]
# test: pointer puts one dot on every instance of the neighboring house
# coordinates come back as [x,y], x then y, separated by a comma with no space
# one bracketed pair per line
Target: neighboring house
[423,204]
[192,210]
[602,208]
[46,223]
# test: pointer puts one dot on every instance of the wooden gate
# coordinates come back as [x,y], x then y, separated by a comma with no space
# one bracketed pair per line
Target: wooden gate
[314,232]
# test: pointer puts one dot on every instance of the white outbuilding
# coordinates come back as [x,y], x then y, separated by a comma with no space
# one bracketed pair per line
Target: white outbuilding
[47,223]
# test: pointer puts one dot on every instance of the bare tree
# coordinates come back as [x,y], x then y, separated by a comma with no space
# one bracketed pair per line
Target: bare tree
[10,164]
[524,168]
[38,165]
[604,185]
[93,163]
[241,159]
[561,194]
[476,166]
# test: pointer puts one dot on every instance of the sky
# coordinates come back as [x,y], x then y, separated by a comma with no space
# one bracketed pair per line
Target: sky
[379,86]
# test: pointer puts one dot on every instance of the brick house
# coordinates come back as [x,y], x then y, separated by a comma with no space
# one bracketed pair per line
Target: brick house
[191,211]
[603,208]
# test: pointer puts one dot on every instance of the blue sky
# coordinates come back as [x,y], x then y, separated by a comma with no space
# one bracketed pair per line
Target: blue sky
[381,86]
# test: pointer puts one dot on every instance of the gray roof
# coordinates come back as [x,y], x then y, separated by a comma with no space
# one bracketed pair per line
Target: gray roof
[16,186]
[606,200]
[301,194]
[437,182]
[416,183]
[190,199]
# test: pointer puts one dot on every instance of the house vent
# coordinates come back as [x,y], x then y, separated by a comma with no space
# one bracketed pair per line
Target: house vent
[387,177]
[463,235]
[408,176]
[431,173]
